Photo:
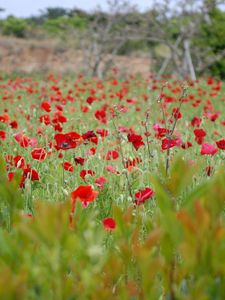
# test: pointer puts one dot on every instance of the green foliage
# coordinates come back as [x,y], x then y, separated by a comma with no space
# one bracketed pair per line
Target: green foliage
[170,247]
[15,26]
[10,197]
[64,24]
[55,12]
[176,253]
[131,46]
[213,37]
[208,39]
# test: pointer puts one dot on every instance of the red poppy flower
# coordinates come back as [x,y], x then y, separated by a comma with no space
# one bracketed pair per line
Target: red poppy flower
[45,106]
[22,140]
[84,173]
[102,132]
[45,119]
[68,166]
[79,160]
[91,151]
[101,116]
[67,141]
[11,175]
[91,99]
[84,193]
[4,118]
[132,162]
[19,162]
[59,117]
[143,195]
[196,122]
[111,169]
[176,113]
[199,132]
[210,81]
[208,149]
[111,155]
[84,109]
[199,135]
[136,140]
[212,116]
[166,143]
[59,107]
[60,155]
[32,142]
[109,224]
[221,144]
[28,173]
[123,129]
[186,145]
[161,132]
[209,170]
[90,136]
[39,154]
[58,127]
[13,124]
[2,135]
[100,182]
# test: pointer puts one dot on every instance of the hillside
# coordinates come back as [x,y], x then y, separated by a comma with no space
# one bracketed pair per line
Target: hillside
[29,56]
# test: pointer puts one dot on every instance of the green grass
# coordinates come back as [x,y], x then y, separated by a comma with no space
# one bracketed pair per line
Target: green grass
[170,247]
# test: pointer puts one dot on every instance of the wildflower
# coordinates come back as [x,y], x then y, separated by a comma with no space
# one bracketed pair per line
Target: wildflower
[38,154]
[109,224]
[68,166]
[111,155]
[221,144]
[100,182]
[136,140]
[84,193]
[67,141]
[170,143]
[208,149]
[79,160]
[143,195]
[45,106]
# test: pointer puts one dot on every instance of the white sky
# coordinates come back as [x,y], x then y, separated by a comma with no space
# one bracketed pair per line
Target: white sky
[25,8]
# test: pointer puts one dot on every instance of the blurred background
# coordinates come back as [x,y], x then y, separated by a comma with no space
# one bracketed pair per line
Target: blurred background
[185,38]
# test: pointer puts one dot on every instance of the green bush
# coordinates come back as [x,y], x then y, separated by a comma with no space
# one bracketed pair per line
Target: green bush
[15,26]
[63,24]
[213,36]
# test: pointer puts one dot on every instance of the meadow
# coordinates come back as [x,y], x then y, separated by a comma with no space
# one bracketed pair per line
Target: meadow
[112,189]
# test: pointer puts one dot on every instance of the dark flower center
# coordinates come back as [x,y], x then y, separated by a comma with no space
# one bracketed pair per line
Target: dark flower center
[65,145]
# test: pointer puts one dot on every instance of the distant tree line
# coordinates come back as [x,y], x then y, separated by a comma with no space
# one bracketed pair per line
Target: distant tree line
[187,38]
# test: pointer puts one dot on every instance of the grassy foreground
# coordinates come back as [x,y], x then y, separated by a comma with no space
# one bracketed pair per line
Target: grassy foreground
[112,189]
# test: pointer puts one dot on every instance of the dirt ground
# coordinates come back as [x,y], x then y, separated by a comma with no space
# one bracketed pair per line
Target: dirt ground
[47,56]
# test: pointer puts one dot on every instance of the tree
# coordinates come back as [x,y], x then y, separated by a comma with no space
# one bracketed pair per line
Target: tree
[14,26]
[54,12]
[212,44]
[187,30]
[106,34]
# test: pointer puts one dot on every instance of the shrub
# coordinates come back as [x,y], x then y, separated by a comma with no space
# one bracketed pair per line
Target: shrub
[15,26]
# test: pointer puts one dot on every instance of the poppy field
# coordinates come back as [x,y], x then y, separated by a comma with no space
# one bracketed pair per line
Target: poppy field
[112,189]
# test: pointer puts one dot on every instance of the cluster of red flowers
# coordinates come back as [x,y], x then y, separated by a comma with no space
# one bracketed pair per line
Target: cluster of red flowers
[56,129]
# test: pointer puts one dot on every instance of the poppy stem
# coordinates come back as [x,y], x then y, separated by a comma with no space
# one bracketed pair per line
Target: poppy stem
[171,131]
[168,156]
[159,100]
[146,123]
[63,172]
[123,160]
